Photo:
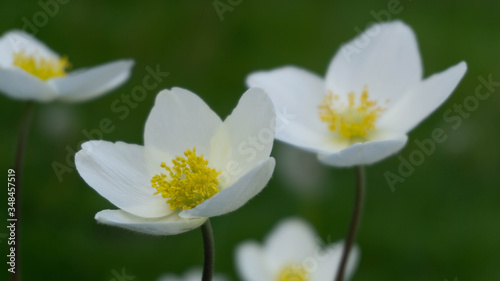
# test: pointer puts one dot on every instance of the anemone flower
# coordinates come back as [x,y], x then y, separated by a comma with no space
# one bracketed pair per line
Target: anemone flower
[192,165]
[29,70]
[372,96]
[292,252]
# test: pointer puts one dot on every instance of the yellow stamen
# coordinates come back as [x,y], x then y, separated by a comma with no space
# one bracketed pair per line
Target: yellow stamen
[353,120]
[189,181]
[293,273]
[43,68]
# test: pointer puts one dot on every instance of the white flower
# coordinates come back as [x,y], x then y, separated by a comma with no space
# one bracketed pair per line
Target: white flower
[292,252]
[29,70]
[192,166]
[190,275]
[372,96]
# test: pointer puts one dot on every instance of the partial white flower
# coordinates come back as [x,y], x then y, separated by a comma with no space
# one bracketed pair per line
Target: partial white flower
[29,70]
[292,252]
[192,166]
[372,96]
[191,275]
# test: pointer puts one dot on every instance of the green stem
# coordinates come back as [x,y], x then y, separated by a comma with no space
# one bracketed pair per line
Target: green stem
[18,168]
[355,221]
[209,251]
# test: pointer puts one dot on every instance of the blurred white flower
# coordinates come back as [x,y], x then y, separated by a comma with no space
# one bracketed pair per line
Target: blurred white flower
[191,275]
[29,70]
[212,167]
[372,96]
[292,252]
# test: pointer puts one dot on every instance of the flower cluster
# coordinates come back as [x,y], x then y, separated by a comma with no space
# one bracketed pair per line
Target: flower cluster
[194,166]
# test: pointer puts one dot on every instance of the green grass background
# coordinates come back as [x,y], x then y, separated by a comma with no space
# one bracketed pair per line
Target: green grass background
[442,222]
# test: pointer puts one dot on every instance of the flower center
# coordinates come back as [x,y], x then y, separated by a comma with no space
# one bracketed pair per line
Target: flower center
[355,119]
[189,181]
[43,68]
[293,273]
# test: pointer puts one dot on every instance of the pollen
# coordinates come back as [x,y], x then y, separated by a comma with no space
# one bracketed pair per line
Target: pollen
[43,68]
[189,181]
[293,273]
[352,119]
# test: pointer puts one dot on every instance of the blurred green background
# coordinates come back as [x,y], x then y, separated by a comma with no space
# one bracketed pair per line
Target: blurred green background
[442,222]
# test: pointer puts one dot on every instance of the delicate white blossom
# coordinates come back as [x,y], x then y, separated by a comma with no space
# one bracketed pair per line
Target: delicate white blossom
[29,70]
[192,166]
[292,252]
[372,96]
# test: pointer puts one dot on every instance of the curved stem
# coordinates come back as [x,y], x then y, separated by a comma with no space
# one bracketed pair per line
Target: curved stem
[18,168]
[355,221]
[209,251]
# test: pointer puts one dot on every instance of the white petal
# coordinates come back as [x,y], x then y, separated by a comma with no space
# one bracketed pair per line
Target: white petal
[316,144]
[18,84]
[180,120]
[364,153]
[86,84]
[237,194]
[296,94]
[251,262]
[385,58]
[328,260]
[291,242]
[154,158]
[118,172]
[168,225]
[246,136]
[422,100]
[16,41]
